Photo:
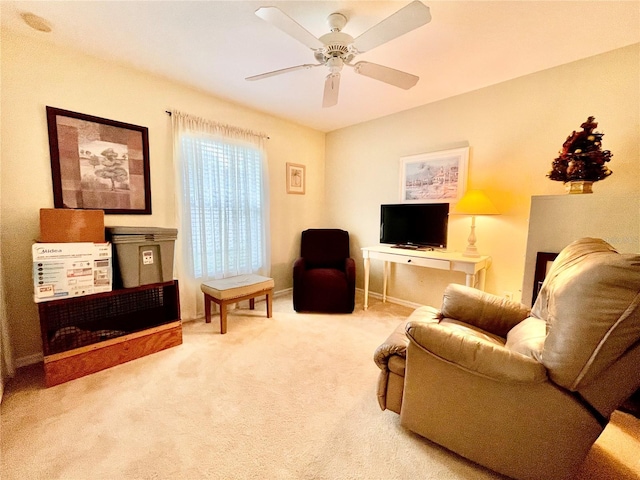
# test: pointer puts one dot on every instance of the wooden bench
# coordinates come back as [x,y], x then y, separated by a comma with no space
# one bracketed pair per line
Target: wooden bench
[235,289]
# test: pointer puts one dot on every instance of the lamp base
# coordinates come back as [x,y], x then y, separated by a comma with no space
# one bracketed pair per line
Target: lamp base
[471,251]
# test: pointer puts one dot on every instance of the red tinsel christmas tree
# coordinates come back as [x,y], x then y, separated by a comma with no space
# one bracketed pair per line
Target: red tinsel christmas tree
[582,157]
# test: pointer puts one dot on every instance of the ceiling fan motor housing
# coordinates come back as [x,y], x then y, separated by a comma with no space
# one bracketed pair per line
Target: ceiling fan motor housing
[336,44]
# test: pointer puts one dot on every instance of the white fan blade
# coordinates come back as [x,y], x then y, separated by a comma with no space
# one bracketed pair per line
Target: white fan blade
[385,74]
[331,87]
[283,70]
[284,22]
[404,20]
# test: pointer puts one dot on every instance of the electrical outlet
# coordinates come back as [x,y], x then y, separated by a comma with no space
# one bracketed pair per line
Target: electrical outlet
[508,295]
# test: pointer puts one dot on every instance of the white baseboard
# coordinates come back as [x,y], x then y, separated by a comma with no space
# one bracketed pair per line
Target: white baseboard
[279,293]
[376,295]
[29,360]
[398,301]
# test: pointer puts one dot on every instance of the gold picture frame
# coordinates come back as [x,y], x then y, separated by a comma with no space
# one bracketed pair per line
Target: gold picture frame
[296,178]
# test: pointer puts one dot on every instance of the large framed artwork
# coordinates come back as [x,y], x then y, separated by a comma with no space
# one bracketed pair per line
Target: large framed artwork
[98,163]
[437,177]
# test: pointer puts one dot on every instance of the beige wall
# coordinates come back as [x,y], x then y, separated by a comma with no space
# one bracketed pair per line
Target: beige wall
[35,75]
[514,130]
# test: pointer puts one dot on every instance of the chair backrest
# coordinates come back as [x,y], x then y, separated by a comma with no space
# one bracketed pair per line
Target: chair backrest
[324,247]
[590,301]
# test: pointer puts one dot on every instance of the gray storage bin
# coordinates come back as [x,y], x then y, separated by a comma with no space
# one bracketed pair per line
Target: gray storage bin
[143,255]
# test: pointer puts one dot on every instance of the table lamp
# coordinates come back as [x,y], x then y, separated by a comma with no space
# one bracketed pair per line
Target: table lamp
[474,202]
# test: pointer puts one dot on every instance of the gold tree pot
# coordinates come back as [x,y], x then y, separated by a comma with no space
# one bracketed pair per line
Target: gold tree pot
[579,186]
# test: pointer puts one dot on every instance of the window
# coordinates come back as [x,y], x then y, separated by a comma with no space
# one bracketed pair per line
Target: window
[222,205]
[223,190]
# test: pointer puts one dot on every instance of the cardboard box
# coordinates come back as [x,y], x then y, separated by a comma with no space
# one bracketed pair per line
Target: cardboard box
[65,225]
[67,270]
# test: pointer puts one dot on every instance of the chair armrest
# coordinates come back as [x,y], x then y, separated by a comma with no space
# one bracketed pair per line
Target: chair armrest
[350,272]
[489,312]
[299,266]
[474,355]
[395,344]
[350,267]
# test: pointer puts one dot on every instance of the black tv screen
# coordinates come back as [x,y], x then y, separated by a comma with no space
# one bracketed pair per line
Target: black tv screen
[414,225]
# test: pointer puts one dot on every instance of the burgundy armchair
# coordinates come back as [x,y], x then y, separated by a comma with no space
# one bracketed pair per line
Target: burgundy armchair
[324,277]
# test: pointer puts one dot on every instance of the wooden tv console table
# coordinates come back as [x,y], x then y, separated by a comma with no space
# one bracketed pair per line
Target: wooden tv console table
[475,268]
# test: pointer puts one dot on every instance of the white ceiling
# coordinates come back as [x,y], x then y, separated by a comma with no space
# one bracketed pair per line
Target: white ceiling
[214,45]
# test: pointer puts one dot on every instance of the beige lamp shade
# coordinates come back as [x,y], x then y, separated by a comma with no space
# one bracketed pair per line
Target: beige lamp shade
[474,202]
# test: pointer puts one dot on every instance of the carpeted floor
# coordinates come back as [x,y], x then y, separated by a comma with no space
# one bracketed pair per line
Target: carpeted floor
[292,397]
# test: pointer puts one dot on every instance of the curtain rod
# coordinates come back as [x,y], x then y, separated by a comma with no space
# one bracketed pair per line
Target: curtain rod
[168,112]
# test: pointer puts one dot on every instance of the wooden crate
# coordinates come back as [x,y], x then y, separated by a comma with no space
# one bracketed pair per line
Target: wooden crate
[143,320]
[76,363]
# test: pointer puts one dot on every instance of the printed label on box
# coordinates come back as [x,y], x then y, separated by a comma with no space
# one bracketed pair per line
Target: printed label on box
[64,270]
[147,257]
[44,291]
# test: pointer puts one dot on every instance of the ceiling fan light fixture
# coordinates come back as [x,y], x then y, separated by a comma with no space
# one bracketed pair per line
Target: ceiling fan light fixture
[335,65]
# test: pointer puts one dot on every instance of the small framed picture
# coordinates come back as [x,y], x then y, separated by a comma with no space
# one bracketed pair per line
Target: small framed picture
[295,178]
[437,177]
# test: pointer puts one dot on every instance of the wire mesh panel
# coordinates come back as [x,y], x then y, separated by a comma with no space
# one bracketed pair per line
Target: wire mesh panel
[77,322]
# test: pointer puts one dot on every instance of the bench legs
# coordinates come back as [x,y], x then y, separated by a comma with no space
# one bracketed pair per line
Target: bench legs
[223,306]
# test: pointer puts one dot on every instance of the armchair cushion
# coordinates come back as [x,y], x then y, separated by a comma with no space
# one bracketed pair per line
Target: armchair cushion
[475,351]
[471,334]
[527,338]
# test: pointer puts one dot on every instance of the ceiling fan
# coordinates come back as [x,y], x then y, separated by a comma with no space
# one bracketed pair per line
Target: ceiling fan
[336,49]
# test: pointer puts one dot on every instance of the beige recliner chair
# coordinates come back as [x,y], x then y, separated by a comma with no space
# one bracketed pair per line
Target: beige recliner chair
[525,393]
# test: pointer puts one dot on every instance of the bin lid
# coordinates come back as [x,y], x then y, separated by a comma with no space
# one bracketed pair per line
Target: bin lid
[171,232]
[138,239]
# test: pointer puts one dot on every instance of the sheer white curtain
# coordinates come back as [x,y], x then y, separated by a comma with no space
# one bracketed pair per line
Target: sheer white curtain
[7,365]
[222,203]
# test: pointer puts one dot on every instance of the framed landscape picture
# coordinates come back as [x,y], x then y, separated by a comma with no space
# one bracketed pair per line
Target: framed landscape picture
[438,177]
[98,163]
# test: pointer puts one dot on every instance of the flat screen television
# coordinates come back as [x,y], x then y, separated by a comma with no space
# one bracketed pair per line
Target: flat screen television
[414,225]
